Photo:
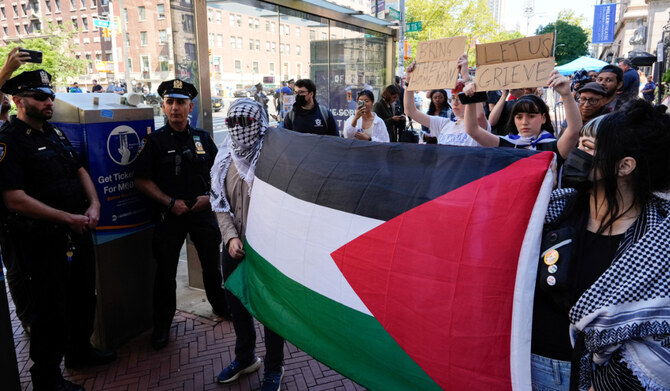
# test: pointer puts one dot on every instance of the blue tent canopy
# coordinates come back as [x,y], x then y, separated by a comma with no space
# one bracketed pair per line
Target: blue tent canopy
[585,62]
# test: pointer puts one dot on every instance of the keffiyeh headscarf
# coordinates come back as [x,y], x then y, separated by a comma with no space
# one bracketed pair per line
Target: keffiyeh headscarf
[530,142]
[242,147]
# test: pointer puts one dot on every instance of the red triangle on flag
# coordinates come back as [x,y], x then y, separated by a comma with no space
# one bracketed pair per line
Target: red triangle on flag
[440,277]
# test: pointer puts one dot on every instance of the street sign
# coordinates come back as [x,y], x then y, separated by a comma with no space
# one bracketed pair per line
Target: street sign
[394,13]
[104,24]
[414,26]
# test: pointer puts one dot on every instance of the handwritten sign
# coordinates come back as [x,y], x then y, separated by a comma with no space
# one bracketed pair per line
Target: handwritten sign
[517,63]
[436,64]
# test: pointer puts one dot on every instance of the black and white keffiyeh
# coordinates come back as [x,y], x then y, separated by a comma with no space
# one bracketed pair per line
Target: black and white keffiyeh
[627,310]
[242,147]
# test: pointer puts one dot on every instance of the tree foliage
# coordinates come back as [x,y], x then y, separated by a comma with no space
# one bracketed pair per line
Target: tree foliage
[56,42]
[572,41]
[451,18]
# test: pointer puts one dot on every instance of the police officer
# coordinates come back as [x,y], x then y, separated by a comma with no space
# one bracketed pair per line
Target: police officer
[49,208]
[172,169]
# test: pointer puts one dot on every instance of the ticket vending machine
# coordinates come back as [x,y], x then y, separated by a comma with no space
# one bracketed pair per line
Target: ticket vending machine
[108,135]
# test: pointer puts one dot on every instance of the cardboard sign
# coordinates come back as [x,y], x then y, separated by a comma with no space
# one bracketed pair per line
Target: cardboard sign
[436,64]
[517,63]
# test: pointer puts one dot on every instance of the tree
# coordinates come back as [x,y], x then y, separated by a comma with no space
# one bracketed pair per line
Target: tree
[572,40]
[57,46]
[451,18]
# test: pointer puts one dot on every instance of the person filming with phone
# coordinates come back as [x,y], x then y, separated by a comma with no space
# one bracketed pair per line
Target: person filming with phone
[365,124]
[384,108]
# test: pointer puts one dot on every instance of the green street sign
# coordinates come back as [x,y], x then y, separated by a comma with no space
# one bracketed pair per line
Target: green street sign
[414,26]
[394,13]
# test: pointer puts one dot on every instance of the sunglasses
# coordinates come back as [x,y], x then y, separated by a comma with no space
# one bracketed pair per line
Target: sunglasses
[242,121]
[40,96]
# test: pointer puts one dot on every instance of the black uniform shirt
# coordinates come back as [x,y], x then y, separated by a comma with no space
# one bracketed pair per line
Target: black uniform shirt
[42,163]
[178,162]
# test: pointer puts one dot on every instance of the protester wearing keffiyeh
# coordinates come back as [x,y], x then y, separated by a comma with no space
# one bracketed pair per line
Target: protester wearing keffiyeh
[242,147]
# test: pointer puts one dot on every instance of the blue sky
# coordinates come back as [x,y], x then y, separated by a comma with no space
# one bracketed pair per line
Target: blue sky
[545,12]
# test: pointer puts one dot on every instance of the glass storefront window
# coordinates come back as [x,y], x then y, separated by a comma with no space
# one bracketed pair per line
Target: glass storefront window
[340,58]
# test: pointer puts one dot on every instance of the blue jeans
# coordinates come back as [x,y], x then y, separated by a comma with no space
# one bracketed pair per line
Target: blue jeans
[548,374]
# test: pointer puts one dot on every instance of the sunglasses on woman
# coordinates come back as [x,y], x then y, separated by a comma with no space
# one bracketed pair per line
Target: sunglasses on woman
[242,121]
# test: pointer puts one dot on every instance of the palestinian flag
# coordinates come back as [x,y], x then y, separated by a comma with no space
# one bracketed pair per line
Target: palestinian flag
[401,266]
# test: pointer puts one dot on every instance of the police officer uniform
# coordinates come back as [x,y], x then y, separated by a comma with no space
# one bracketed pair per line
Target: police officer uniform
[56,265]
[178,162]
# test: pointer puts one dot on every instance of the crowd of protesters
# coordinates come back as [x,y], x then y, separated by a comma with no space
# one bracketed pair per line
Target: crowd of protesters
[601,316]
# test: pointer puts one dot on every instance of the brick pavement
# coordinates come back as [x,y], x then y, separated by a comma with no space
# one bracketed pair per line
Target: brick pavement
[198,350]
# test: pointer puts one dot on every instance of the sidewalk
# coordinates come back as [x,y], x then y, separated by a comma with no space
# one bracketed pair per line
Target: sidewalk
[198,350]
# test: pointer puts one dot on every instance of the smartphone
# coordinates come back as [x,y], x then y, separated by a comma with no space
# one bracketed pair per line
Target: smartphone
[477,97]
[361,103]
[35,55]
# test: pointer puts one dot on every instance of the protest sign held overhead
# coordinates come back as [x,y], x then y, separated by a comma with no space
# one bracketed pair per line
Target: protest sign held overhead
[517,63]
[436,64]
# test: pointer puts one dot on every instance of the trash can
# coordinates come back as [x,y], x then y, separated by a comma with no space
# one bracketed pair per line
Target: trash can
[108,136]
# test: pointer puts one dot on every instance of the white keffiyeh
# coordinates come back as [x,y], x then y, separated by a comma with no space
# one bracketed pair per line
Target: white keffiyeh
[242,147]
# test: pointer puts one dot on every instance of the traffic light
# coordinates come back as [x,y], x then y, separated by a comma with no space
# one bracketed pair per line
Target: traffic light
[107,33]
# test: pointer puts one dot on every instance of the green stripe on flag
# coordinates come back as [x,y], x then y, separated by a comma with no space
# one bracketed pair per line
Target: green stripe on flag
[348,341]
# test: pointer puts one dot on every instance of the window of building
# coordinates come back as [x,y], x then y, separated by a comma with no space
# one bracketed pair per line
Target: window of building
[143,38]
[239,42]
[219,18]
[281,48]
[232,42]
[298,70]
[146,67]
[251,44]
[219,40]
[271,67]
[162,36]
[160,11]
[59,22]
[57,5]
[142,13]
[16,10]
[297,32]
[127,37]
[130,64]
[272,27]
[73,5]
[109,56]
[18,29]
[257,24]
[210,15]
[238,20]
[47,3]
[238,66]
[288,49]
[274,47]
[74,22]
[94,4]
[84,23]
[267,46]
[98,57]
[267,27]
[254,67]
[210,39]
[29,30]
[83,4]
[258,45]
[5,30]
[125,15]
[2,10]
[312,35]
[281,29]
[251,23]
[297,49]
[231,17]
[216,61]
[286,70]
[163,61]
[324,36]
[287,30]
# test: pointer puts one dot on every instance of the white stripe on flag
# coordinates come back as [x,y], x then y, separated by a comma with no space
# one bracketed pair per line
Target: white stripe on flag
[522,311]
[297,237]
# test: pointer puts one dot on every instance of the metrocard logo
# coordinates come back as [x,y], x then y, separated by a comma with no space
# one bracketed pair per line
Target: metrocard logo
[123,145]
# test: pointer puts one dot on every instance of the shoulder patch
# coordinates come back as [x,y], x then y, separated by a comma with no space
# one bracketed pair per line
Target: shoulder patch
[3,151]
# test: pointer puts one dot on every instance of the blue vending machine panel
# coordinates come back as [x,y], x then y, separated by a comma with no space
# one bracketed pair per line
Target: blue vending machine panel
[110,149]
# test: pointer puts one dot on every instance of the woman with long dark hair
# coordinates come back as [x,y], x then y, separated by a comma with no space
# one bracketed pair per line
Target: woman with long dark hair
[604,271]
[439,106]
[384,109]
[365,124]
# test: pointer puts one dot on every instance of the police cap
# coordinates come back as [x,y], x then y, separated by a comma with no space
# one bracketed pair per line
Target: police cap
[39,80]
[177,89]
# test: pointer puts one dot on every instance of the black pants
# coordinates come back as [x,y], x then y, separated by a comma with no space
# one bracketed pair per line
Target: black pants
[243,323]
[18,288]
[61,294]
[168,239]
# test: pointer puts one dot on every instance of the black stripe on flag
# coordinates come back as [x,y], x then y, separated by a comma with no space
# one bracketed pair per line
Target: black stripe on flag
[365,177]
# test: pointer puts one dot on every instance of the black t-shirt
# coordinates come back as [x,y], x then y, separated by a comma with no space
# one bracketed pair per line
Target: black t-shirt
[96,88]
[178,162]
[592,256]
[42,163]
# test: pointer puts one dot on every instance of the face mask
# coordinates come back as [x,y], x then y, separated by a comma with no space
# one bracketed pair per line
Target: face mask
[577,170]
[300,100]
